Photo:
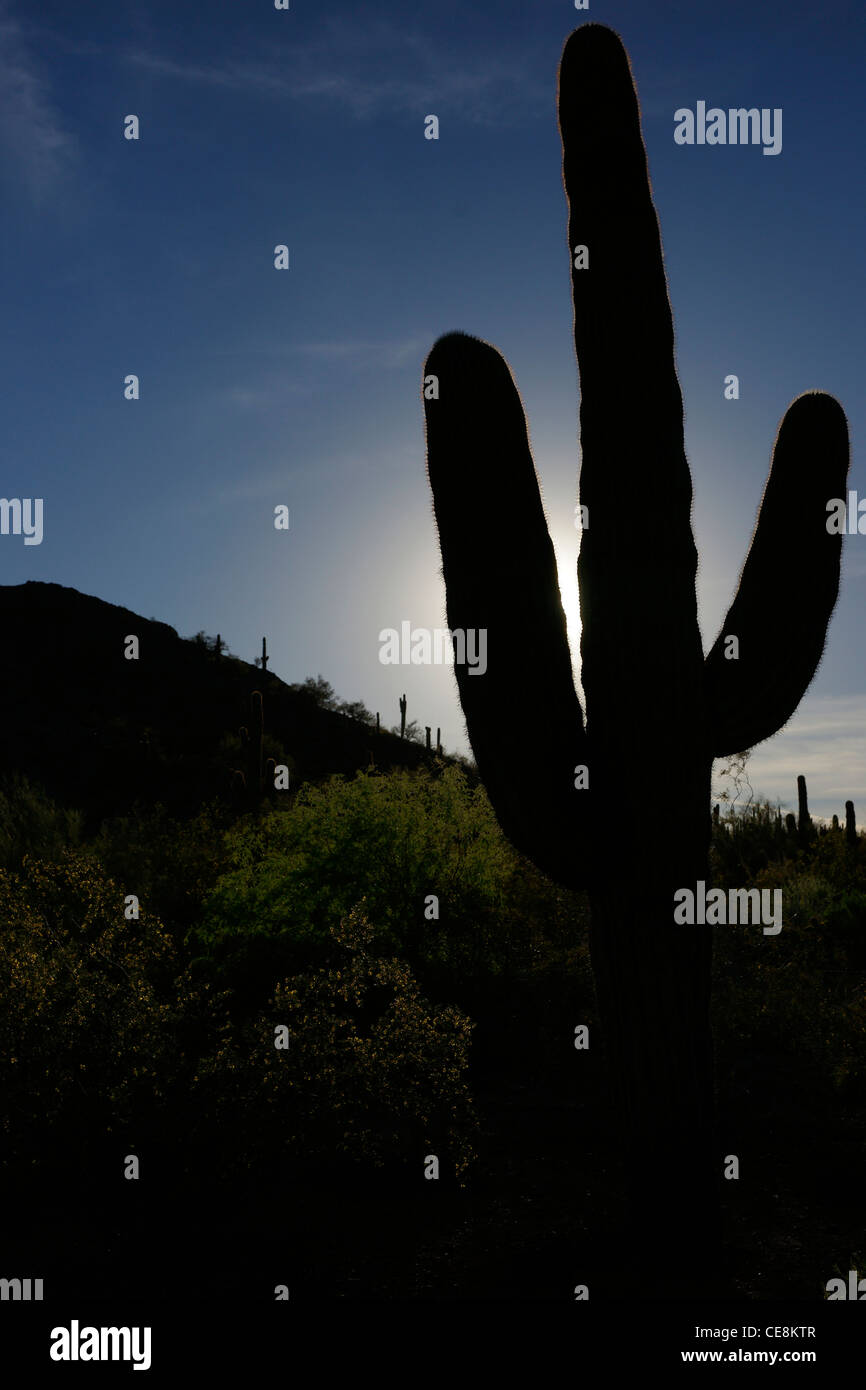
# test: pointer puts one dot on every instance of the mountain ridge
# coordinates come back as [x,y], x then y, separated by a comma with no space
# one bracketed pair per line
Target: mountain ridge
[102,732]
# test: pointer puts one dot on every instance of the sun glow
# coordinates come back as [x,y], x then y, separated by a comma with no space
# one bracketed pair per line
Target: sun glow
[566,569]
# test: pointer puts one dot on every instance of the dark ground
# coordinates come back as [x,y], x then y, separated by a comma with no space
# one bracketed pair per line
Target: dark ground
[539,1215]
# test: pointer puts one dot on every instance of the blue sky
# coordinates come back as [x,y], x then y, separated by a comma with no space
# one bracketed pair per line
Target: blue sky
[302,387]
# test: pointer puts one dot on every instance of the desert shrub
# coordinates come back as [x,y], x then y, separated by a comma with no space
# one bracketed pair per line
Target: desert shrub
[395,840]
[372,1071]
[171,863]
[31,823]
[804,990]
[97,1017]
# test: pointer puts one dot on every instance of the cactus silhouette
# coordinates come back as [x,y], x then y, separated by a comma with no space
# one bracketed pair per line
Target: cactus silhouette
[804,820]
[850,824]
[650,694]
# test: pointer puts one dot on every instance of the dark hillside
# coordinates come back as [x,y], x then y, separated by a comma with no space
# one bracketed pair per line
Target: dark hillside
[102,732]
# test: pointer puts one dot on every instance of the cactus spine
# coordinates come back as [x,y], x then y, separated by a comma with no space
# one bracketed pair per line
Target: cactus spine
[644,673]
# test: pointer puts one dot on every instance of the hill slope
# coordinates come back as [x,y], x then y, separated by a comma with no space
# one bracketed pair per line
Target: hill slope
[101,732]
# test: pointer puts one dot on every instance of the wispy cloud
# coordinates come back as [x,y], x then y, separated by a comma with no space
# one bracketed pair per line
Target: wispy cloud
[35,147]
[371,69]
[263,397]
[363,353]
[826,742]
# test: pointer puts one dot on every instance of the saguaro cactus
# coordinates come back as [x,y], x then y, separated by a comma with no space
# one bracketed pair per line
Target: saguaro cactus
[649,691]
[804,820]
[850,824]
[402,716]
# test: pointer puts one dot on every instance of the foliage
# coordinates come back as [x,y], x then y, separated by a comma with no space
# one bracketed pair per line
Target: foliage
[318,690]
[170,862]
[96,1008]
[372,1070]
[395,840]
[31,823]
[804,990]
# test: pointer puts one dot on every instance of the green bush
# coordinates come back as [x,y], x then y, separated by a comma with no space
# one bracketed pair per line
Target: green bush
[804,990]
[97,1013]
[372,1071]
[394,840]
[171,863]
[31,823]
[105,1040]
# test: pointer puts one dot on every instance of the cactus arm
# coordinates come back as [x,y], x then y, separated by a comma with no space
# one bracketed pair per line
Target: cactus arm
[500,575]
[634,476]
[781,641]
[638,560]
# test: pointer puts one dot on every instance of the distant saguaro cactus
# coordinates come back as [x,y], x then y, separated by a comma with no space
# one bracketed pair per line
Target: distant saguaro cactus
[646,681]
[265,657]
[402,716]
[804,820]
[850,824]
